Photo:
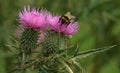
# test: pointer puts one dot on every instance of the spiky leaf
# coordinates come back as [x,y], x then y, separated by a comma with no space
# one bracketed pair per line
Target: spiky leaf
[93,51]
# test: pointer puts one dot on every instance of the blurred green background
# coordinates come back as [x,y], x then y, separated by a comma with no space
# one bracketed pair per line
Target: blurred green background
[99,27]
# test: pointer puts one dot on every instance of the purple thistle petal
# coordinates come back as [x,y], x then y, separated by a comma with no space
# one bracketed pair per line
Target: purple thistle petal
[72,28]
[32,18]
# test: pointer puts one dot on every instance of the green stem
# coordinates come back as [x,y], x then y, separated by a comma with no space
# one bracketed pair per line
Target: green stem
[68,67]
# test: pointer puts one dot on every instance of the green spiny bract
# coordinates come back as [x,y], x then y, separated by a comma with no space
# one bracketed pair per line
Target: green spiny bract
[28,41]
[53,42]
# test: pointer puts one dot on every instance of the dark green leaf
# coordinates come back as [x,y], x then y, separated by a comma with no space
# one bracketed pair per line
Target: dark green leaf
[93,51]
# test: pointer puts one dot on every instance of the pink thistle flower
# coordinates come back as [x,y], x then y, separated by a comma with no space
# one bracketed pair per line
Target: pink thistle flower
[53,22]
[68,29]
[33,18]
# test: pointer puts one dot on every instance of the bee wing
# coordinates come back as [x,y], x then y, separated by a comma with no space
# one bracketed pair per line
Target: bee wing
[73,17]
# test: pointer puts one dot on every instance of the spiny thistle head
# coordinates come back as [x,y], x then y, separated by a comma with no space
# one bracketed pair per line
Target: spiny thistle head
[55,38]
[33,18]
[32,22]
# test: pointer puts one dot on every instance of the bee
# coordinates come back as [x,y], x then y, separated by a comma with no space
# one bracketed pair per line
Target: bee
[66,18]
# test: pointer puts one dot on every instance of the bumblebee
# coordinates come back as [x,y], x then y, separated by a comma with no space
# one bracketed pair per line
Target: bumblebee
[66,18]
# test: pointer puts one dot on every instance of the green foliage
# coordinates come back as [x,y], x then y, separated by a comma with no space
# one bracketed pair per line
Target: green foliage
[51,58]
[99,27]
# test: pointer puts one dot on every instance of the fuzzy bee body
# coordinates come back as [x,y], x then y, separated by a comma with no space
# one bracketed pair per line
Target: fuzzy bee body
[66,18]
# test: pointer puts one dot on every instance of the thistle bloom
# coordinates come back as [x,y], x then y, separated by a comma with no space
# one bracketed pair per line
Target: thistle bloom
[33,18]
[55,24]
